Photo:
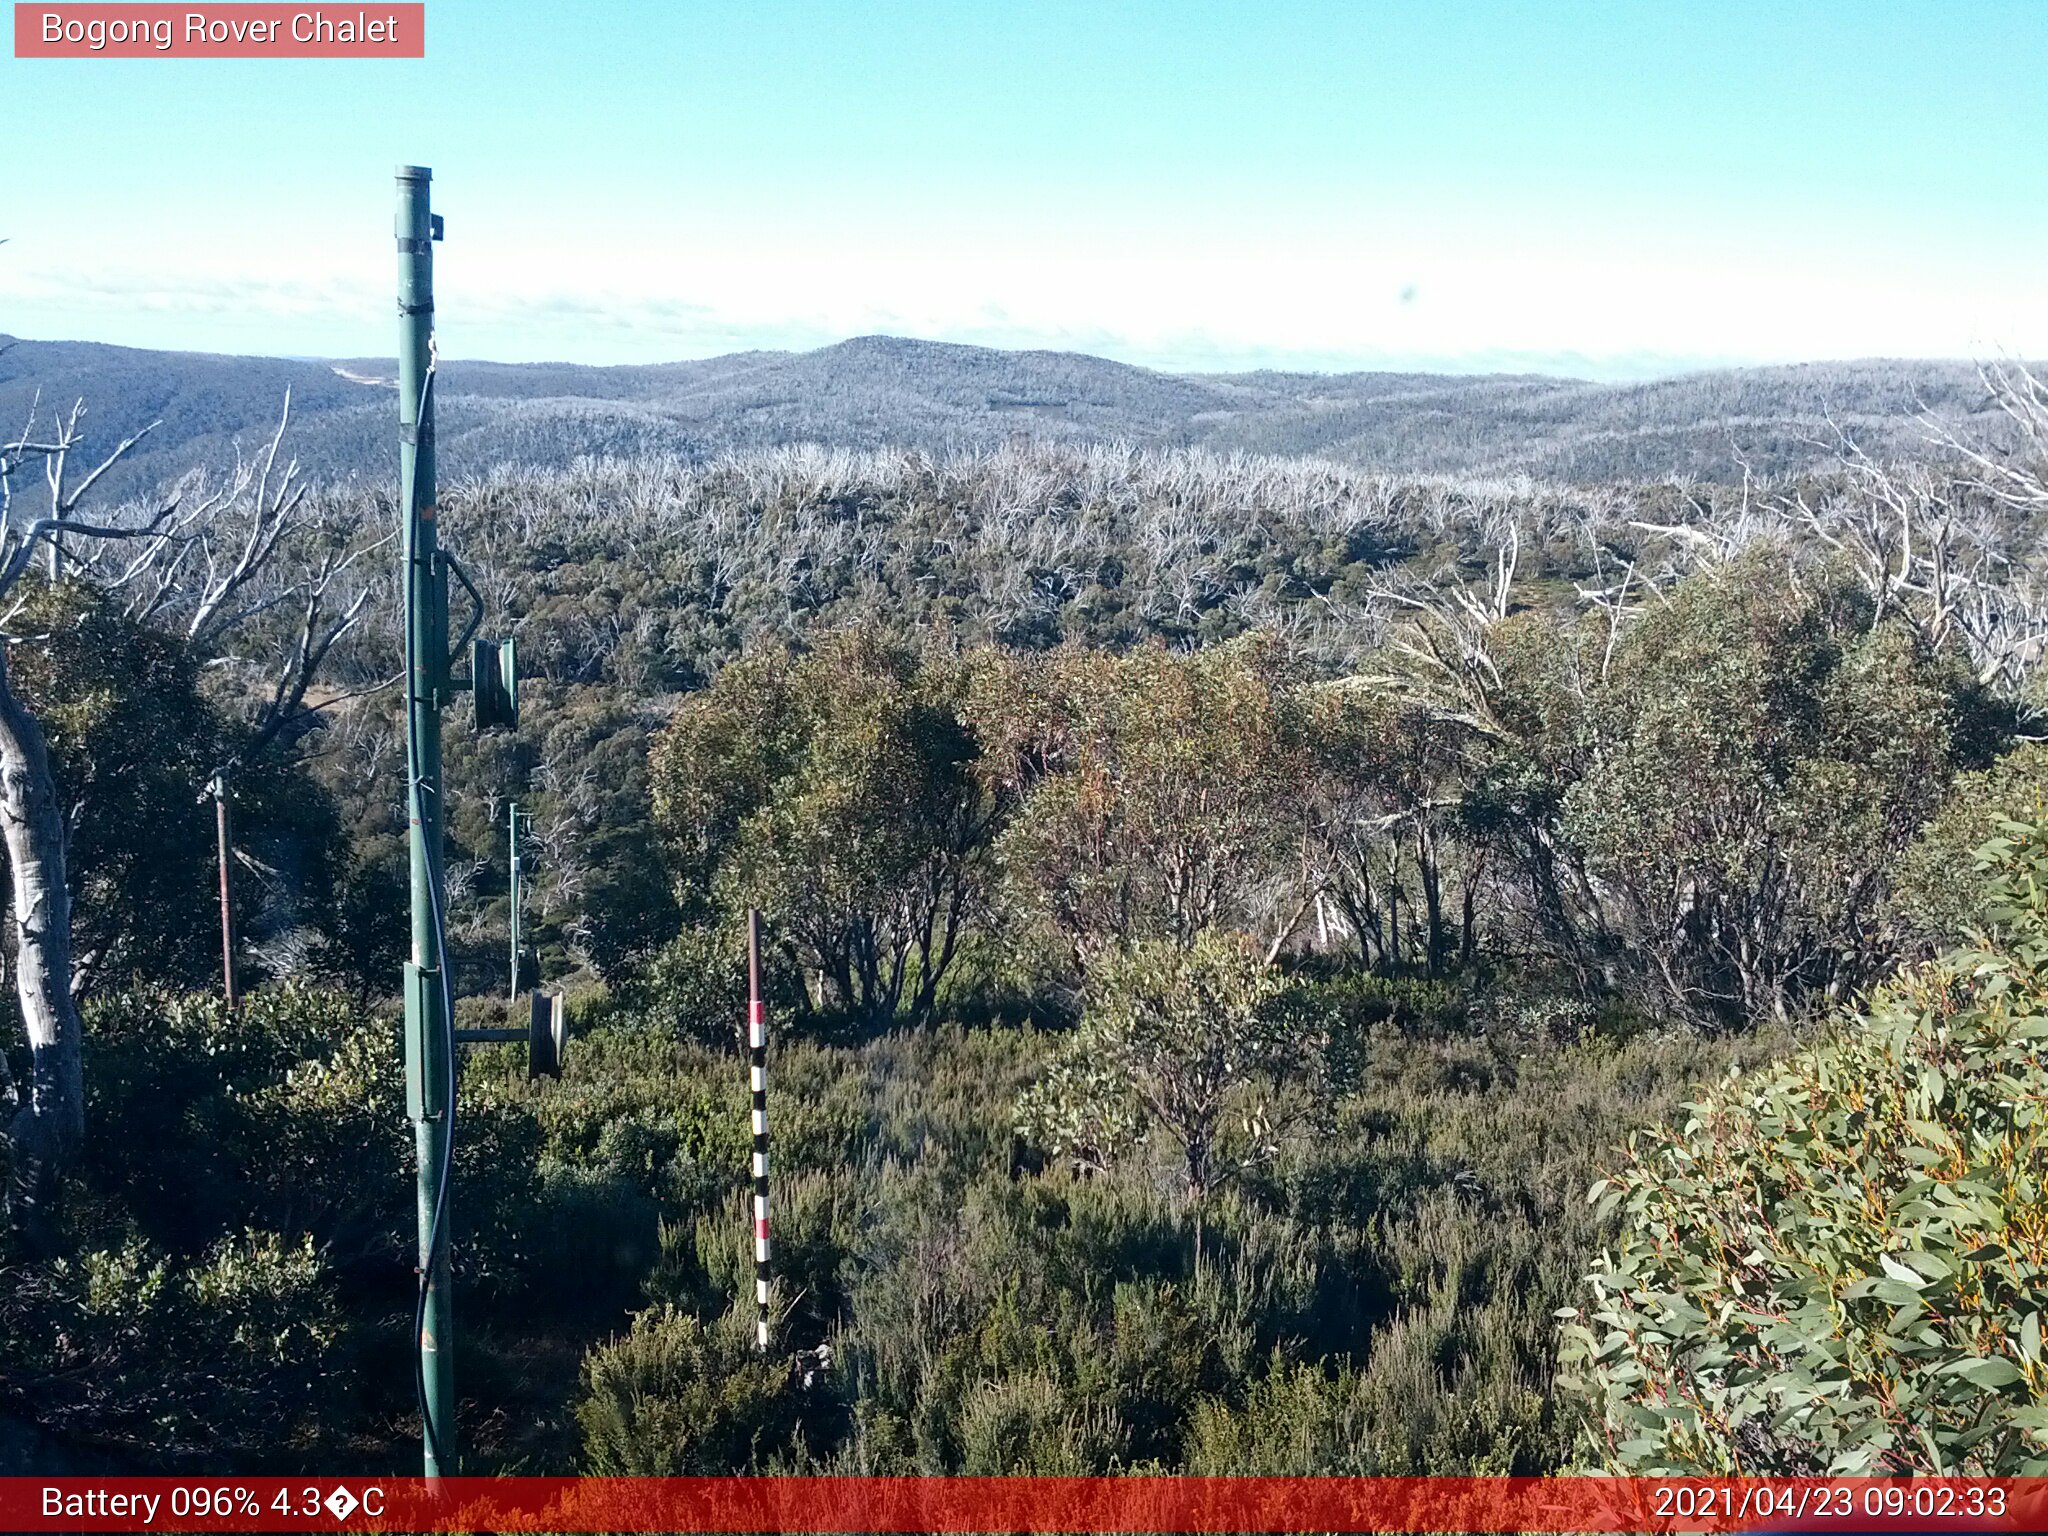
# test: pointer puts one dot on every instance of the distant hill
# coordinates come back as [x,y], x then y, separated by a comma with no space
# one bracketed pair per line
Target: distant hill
[882,391]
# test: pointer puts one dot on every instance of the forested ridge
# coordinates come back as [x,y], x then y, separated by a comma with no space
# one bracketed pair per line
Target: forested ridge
[1224,912]
[890,391]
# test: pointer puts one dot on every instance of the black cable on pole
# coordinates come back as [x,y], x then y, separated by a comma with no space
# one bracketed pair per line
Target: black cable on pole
[436,1233]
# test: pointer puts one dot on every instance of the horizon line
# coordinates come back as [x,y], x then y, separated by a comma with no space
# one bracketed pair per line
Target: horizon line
[1638,368]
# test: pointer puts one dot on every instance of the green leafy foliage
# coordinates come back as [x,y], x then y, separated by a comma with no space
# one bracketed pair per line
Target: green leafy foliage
[984,1312]
[226,1205]
[695,985]
[676,1397]
[836,790]
[246,1344]
[1453,880]
[1839,1264]
[1939,896]
[133,740]
[1759,752]
[988,1314]
[1158,788]
[1181,1040]
[240,1230]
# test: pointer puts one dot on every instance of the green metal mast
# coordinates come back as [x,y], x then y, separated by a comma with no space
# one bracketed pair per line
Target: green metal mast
[429,1046]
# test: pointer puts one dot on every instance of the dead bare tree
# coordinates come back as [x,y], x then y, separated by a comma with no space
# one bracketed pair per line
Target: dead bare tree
[54,453]
[2015,471]
[1946,543]
[275,568]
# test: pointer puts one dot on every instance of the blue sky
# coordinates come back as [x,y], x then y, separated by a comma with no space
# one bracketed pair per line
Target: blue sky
[1603,189]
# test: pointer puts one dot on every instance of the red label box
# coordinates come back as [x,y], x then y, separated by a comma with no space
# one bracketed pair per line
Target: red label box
[369,29]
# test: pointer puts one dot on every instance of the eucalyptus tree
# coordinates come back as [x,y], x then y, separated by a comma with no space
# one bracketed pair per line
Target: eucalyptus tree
[1193,1041]
[202,561]
[1762,748]
[47,1123]
[841,793]
[1161,794]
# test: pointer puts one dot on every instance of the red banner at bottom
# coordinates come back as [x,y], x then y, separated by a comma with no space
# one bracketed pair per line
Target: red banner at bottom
[1081,1504]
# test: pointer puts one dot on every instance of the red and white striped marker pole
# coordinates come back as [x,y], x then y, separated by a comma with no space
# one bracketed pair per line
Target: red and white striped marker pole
[757,1057]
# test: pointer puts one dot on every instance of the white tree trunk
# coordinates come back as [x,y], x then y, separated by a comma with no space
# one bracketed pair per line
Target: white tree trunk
[45,1131]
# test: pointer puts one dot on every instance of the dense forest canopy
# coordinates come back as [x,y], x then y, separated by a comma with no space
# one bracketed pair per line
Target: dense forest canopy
[1224,909]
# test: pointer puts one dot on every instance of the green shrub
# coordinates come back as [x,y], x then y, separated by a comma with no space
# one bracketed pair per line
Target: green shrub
[694,987]
[636,1103]
[1025,1426]
[1839,1264]
[1163,1353]
[286,1113]
[1938,897]
[838,790]
[677,1397]
[1360,1000]
[325,1145]
[816,1219]
[269,1329]
[1182,1041]
[246,1348]
[1404,1415]
[820,1109]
